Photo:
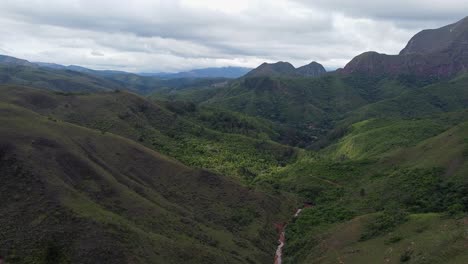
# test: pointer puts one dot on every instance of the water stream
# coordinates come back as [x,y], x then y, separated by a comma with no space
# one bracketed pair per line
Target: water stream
[282,235]
[282,239]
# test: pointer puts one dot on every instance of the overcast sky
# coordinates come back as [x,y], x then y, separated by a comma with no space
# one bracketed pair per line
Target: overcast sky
[176,35]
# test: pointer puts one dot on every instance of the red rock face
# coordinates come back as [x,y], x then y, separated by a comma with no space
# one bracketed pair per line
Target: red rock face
[439,53]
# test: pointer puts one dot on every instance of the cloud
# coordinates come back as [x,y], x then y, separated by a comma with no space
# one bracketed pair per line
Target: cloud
[174,35]
[407,10]
[97,53]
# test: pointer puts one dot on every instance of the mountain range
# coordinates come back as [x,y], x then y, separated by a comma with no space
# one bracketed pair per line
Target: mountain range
[222,72]
[367,164]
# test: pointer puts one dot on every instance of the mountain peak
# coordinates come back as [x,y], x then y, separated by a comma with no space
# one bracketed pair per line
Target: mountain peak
[4,59]
[312,69]
[438,40]
[441,52]
[272,69]
[282,68]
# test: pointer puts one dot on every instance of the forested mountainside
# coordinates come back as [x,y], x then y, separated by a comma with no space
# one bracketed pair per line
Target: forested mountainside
[112,167]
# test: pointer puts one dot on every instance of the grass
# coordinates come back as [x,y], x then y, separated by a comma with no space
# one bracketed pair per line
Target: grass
[416,245]
[375,137]
[381,169]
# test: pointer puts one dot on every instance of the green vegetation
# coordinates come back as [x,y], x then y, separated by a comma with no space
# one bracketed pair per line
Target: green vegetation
[235,154]
[89,197]
[383,161]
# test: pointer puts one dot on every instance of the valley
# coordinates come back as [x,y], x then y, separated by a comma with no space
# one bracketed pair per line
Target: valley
[365,164]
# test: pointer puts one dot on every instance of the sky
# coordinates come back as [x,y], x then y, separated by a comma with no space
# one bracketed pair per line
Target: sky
[179,35]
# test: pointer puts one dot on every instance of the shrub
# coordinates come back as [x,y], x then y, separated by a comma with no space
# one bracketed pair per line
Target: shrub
[383,223]
[406,256]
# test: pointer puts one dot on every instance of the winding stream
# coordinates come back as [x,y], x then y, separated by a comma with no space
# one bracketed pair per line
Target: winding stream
[282,235]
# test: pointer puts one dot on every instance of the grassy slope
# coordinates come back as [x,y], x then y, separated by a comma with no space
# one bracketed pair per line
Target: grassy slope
[158,128]
[409,158]
[372,138]
[424,238]
[448,150]
[441,97]
[80,196]
[417,173]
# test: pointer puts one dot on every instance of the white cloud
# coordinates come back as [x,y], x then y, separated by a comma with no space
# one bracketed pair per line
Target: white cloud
[173,35]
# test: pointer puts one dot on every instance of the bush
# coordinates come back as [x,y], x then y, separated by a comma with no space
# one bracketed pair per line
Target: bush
[383,223]
[406,256]
[455,209]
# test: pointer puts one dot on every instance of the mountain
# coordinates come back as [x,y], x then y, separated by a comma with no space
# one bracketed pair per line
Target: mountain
[272,69]
[309,106]
[25,73]
[383,174]
[452,38]
[73,78]
[437,53]
[84,195]
[392,177]
[79,69]
[12,61]
[313,69]
[223,72]
[375,156]
[209,142]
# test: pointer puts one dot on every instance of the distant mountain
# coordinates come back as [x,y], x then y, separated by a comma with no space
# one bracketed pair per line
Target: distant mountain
[74,78]
[313,69]
[281,68]
[223,72]
[22,72]
[439,52]
[15,61]
[78,69]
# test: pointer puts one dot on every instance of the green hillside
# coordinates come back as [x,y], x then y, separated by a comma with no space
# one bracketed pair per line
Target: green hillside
[387,171]
[308,107]
[159,128]
[389,175]
[391,155]
[441,97]
[79,195]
